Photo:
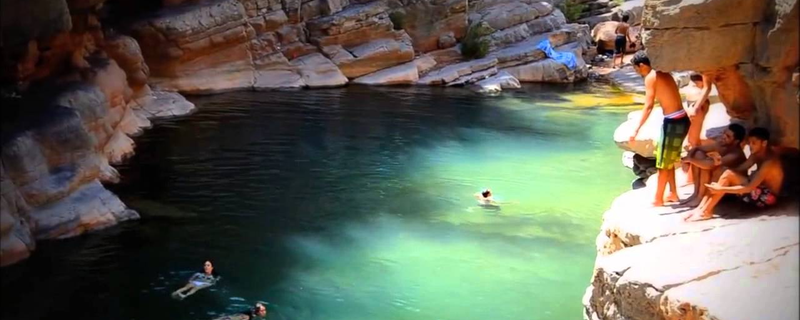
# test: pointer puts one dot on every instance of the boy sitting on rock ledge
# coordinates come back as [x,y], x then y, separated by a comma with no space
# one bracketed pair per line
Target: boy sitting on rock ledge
[708,161]
[760,188]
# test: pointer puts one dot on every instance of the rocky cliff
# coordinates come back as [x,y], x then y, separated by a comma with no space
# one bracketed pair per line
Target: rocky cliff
[653,266]
[212,46]
[80,77]
[751,51]
[73,94]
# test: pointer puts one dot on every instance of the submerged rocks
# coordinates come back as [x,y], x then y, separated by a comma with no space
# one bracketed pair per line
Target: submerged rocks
[502,80]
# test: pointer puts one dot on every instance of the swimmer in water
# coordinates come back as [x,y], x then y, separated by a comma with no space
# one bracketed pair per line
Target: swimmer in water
[200,280]
[485,198]
[259,311]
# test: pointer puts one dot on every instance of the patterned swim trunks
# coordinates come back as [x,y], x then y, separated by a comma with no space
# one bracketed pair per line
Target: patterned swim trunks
[760,197]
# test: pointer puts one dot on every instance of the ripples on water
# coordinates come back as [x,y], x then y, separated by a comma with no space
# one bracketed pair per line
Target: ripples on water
[350,204]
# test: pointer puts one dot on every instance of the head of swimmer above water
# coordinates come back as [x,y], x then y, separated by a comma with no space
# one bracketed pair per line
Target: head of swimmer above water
[260,310]
[486,193]
[208,267]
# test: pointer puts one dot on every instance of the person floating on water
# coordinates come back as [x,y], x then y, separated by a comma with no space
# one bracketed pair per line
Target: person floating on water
[200,280]
[258,311]
[485,198]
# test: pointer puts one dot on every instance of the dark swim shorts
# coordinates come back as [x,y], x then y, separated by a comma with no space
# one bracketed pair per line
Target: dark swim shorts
[619,44]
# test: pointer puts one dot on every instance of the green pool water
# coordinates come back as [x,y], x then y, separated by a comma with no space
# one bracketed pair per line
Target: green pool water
[352,204]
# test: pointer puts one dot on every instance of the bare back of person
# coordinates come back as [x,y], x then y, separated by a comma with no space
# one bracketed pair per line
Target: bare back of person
[773,171]
[622,28]
[666,91]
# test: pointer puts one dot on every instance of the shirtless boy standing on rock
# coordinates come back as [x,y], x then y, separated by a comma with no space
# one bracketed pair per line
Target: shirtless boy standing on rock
[661,86]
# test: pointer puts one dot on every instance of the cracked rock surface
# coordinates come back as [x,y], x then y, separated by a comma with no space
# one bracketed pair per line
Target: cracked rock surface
[652,265]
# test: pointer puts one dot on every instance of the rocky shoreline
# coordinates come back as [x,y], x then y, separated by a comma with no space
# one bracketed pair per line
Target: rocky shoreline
[742,265]
[97,71]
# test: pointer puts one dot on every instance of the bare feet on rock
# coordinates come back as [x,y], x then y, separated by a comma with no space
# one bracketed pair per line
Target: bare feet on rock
[697,215]
[658,203]
[673,198]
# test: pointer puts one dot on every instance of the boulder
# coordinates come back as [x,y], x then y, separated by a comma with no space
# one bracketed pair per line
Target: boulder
[406,73]
[355,25]
[604,34]
[337,54]
[319,72]
[453,72]
[649,265]
[201,48]
[505,15]
[548,70]
[746,48]
[426,22]
[501,80]
[447,40]
[378,54]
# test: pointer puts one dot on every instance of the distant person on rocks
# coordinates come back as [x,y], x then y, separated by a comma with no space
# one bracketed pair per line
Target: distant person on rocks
[621,41]
[661,86]
[761,188]
[200,280]
[707,162]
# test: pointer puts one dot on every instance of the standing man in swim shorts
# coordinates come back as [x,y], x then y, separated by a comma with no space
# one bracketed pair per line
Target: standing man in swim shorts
[661,86]
[621,41]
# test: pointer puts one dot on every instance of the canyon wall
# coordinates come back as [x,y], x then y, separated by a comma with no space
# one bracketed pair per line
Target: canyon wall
[749,47]
[73,94]
[81,77]
[213,46]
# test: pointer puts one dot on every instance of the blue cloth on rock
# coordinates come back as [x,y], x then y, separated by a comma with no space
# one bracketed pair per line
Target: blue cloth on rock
[566,58]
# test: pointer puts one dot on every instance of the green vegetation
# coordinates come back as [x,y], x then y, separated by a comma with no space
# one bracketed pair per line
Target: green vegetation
[473,46]
[618,2]
[571,9]
[398,19]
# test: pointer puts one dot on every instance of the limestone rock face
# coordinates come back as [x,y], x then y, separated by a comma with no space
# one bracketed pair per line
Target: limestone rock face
[652,265]
[505,15]
[427,22]
[81,93]
[403,74]
[319,72]
[203,48]
[378,54]
[746,50]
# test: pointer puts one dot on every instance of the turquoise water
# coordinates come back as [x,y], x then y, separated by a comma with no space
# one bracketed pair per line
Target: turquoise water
[351,204]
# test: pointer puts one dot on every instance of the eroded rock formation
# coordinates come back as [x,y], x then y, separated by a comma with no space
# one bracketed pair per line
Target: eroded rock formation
[73,94]
[751,51]
[85,75]
[653,266]
[211,46]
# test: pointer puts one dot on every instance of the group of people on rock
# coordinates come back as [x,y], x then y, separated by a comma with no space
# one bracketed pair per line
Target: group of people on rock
[207,278]
[716,167]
